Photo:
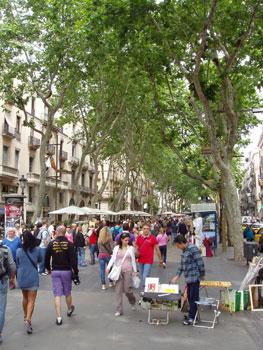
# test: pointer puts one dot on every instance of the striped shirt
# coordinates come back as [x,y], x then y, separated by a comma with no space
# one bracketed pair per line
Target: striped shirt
[192,264]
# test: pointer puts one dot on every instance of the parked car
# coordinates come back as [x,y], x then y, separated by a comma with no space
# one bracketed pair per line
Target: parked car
[258,235]
[256,227]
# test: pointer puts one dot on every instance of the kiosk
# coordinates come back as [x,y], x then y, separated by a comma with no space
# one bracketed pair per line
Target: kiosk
[207,211]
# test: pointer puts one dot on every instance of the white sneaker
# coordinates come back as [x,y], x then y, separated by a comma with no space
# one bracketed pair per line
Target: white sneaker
[117,313]
[133,306]
[103,287]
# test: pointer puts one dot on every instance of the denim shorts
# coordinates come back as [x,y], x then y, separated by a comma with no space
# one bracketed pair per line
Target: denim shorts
[61,282]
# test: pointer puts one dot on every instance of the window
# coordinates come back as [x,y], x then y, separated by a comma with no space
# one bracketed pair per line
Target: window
[82,179]
[31,162]
[18,123]
[5,155]
[60,197]
[73,150]
[33,106]
[90,181]
[72,176]
[16,158]
[30,194]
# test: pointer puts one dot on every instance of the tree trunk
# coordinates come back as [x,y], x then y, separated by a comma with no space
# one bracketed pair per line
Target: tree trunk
[42,180]
[232,211]
[121,191]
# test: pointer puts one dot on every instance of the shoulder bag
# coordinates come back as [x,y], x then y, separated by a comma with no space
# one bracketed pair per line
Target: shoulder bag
[32,262]
[137,251]
[115,272]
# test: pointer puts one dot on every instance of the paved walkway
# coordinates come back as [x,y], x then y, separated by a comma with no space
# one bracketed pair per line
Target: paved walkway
[93,326]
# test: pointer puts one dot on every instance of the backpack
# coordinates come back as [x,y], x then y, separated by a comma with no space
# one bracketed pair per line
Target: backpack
[3,261]
[115,233]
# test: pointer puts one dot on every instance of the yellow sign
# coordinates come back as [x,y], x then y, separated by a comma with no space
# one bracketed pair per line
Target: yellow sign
[222,284]
[91,224]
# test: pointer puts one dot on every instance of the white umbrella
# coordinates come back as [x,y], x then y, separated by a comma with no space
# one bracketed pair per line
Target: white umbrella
[143,213]
[89,211]
[95,211]
[71,210]
[168,213]
[127,212]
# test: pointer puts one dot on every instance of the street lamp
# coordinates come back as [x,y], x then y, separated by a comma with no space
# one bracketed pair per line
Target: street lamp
[22,182]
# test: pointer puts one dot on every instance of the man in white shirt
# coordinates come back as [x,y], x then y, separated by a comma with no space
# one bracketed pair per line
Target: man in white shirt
[45,239]
[51,229]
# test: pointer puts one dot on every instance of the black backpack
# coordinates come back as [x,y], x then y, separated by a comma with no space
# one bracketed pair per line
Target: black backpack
[115,233]
[3,260]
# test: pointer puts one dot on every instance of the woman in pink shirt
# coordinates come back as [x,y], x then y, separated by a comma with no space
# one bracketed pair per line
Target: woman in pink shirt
[68,234]
[123,254]
[162,240]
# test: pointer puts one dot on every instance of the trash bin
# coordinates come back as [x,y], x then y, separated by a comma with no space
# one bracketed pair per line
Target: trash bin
[250,250]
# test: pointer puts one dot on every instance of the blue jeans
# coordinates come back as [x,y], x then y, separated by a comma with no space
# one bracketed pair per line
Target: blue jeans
[103,262]
[145,270]
[3,298]
[92,251]
[81,256]
[193,296]
[173,237]
[42,267]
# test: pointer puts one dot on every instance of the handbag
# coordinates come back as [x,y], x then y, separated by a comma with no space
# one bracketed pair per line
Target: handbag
[115,272]
[136,282]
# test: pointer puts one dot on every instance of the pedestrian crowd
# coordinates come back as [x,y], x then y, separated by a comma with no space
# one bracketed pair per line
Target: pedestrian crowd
[59,250]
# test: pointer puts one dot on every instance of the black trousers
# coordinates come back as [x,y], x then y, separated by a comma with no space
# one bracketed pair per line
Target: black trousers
[193,296]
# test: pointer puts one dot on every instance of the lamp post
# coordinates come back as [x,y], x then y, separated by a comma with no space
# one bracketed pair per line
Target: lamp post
[22,182]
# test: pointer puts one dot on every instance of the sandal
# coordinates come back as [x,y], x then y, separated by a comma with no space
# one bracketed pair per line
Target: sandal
[29,328]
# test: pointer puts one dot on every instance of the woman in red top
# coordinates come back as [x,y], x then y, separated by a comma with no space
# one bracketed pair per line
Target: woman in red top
[92,246]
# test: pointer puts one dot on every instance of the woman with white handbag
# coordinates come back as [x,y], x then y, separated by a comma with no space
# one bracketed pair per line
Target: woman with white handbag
[123,259]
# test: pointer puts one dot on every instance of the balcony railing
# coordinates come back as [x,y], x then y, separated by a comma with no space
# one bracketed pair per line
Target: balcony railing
[51,149]
[85,166]
[33,142]
[63,155]
[18,135]
[91,168]
[8,131]
[74,161]
[7,171]
[33,177]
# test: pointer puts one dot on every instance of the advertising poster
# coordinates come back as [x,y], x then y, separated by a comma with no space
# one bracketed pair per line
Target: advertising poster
[13,215]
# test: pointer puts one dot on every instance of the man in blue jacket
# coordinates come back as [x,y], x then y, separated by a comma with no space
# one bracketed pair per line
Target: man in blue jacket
[192,265]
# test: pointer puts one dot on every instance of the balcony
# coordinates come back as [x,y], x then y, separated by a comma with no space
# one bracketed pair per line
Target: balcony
[86,189]
[85,166]
[51,150]
[33,142]
[8,131]
[63,155]
[74,161]
[91,168]
[18,135]
[8,172]
[33,178]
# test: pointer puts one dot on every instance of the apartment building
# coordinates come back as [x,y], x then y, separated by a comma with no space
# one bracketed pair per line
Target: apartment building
[251,194]
[19,155]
